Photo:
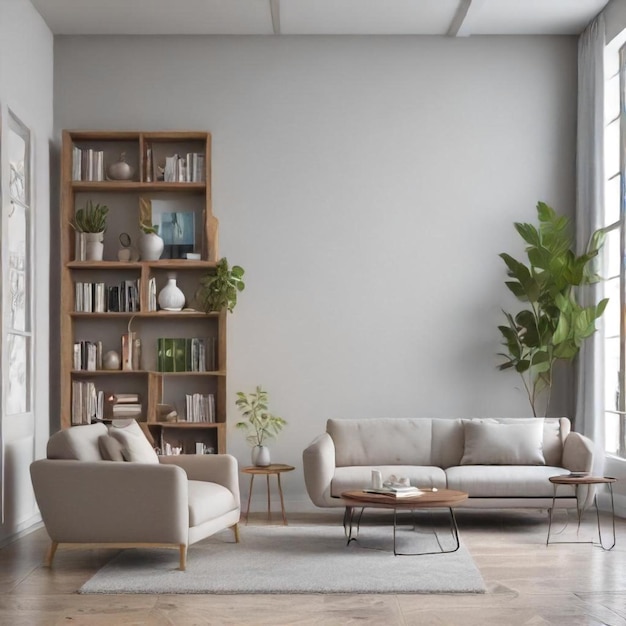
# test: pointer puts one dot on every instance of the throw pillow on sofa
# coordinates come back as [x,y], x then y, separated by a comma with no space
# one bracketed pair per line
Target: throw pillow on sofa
[503,444]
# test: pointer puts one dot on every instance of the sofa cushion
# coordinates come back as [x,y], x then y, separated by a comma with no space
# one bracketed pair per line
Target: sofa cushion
[78,443]
[135,446]
[208,501]
[448,439]
[506,481]
[360,477]
[503,443]
[381,441]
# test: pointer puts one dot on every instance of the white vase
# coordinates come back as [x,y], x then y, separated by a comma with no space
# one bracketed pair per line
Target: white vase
[261,456]
[150,246]
[94,248]
[171,298]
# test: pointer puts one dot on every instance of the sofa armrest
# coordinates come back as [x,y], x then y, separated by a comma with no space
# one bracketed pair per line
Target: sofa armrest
[108,502]
[213,468]
[577,453]
[318,462]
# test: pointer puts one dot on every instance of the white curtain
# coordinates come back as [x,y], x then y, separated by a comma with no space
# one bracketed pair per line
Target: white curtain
[589,412]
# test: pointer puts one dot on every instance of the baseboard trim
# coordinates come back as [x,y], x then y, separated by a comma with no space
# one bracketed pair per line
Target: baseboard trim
[24,528]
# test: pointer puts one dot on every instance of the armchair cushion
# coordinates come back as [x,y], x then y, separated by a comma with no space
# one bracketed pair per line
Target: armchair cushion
[110,448]
[79,443]
[134,445]
[208,501]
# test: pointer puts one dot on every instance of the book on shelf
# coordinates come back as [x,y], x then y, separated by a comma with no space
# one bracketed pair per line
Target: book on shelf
[200,407]
[87,355]
[184,169]
[152,294]
[102,298]
[87,403]
[194,354]
[87,164]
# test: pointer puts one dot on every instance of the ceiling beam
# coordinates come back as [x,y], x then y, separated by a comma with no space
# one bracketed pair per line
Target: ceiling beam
[465,18]
[275,9]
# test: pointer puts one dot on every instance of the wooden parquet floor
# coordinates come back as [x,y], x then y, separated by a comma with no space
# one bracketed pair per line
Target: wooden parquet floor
[528,584]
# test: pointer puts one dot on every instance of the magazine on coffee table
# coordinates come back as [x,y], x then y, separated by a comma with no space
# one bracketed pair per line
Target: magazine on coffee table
[398,492]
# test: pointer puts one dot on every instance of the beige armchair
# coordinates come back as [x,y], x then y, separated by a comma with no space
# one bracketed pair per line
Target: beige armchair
[107,488]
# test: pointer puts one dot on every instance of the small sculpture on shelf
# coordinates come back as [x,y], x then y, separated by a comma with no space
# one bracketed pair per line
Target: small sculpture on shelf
[120,170]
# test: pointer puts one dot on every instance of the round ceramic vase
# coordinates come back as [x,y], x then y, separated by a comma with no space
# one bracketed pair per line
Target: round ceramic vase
[171,298]
[150,247]
[261,456]
[94,248]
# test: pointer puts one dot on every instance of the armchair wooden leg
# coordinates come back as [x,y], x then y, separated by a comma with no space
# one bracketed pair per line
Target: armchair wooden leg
[50,554]
[183,557]
[235,529]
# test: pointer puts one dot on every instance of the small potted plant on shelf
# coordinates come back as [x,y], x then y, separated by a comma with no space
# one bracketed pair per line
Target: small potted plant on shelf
[259,423]
[90,222]
[219,290]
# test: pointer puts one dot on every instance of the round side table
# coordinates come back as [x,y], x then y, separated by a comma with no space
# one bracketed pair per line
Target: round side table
[275,469]
[577,481]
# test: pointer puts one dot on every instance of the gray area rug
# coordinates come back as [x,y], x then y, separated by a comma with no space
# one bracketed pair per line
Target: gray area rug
[294,559]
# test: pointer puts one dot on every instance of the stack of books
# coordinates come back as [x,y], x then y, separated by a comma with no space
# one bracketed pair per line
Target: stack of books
[123,406]
[398,491]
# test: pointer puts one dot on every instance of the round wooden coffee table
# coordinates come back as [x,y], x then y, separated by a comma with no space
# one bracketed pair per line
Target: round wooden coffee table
[577,480]
[429,499]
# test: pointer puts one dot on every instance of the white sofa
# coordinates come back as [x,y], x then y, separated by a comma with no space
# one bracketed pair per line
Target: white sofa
[500,463]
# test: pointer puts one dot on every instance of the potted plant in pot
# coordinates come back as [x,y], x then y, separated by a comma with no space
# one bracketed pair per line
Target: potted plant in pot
[554,324]
[219,290]
[259,424]
[90,221]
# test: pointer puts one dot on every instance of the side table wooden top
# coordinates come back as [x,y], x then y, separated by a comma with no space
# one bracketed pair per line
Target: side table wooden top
[274,468]
[568,479]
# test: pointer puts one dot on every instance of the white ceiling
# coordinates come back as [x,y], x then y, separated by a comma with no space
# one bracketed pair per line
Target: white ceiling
[318,17]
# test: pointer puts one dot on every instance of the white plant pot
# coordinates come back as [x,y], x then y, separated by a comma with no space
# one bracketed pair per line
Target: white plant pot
[261,456]
[94,248]
[150,247]
[171,298]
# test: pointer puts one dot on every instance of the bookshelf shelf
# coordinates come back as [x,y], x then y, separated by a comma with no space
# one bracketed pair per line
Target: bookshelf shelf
[172,172]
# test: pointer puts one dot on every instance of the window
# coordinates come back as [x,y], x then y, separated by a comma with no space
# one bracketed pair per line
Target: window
[614,258]
[17,330]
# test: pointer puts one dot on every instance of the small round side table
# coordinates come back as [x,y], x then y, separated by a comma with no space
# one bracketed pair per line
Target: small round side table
[275,469]
[577,481]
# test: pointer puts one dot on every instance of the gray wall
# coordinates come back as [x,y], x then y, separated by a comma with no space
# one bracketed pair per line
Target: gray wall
[367,185]
[26,89]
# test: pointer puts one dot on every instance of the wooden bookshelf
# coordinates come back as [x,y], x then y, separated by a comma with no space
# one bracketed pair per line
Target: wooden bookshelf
[146,153]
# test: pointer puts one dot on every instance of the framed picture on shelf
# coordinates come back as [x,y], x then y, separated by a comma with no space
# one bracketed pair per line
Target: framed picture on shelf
[178,224]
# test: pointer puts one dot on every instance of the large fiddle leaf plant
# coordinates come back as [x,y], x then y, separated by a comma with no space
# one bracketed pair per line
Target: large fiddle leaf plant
[554,324]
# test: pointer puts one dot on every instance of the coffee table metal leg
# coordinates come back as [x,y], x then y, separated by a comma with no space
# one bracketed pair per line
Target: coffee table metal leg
[348,523]
[550,512]
[282,501]
[269,508]
[249,497]
[453,527]
[595,500]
